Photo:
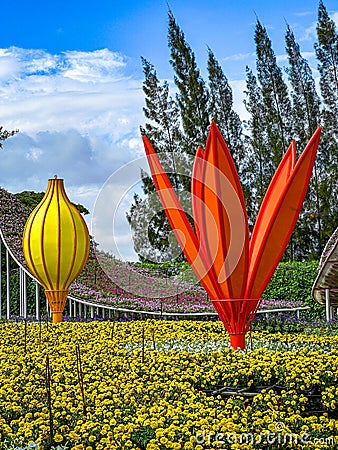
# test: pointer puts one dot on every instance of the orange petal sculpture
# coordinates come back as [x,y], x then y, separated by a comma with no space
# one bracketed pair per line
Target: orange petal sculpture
[56,245]
[234,269]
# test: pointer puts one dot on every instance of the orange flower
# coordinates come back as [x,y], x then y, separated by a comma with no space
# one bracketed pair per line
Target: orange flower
[233,270]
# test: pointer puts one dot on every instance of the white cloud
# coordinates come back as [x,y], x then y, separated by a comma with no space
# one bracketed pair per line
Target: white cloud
[98,66]
[85,90]
[281,58]
[335,18]
[78,114]
[309,34]
[239,57]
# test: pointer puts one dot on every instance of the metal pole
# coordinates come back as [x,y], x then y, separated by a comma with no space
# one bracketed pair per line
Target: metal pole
[48,310]
[327,304]
[20,293]
[37,301]
[25,306]
[8,279]
[0,279]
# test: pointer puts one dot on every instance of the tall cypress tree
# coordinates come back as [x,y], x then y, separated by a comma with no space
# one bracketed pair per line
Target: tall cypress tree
[163,126]
[5,134]
[275,95]
[176,128]
[305,100]
[146,217]
[327,53]
[306,118]
[221,109]
[192,96]
[258,167]
[161,111]
[229,123]
[277,107]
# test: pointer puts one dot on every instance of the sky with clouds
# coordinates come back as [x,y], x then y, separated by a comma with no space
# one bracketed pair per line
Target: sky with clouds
[71,82]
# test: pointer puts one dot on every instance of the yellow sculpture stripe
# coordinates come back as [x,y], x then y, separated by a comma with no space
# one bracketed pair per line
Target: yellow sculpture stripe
[50,193]
[58,258]
[32,235]
[82,235]
[68,276]
[28,252]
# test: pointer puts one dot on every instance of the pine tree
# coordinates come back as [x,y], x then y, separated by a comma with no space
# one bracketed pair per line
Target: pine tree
[259,167]
[275,107]
[5,134]
[146,217]
[327,54]
[175,129]
[221,109]
[305,100]
[306,119]
[161,110]
[192,96]
[275,96]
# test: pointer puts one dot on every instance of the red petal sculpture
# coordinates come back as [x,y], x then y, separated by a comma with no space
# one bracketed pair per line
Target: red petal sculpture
[233,271]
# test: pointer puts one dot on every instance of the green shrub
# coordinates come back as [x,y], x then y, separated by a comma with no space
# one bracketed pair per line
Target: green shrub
[294,281]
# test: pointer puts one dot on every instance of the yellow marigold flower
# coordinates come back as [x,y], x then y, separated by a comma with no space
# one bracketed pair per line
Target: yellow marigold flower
[73,436]
[159,432]
[58,438]
[188,446]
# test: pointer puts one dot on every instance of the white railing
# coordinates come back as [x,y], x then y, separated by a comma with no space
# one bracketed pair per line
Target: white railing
[23,274]
[84,308]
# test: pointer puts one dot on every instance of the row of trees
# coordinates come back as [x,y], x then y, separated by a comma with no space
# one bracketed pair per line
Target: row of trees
[282,106]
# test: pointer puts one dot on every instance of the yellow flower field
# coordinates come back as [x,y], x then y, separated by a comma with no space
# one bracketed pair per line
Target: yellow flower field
[147,385]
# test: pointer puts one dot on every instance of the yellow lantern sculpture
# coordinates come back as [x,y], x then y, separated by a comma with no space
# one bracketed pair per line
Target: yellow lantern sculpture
[56,245]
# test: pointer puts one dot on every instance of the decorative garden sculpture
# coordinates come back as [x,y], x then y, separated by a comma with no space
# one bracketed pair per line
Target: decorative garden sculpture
[233,268]
[56,245]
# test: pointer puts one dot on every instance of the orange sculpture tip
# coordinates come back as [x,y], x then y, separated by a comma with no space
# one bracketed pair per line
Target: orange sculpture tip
[147,145]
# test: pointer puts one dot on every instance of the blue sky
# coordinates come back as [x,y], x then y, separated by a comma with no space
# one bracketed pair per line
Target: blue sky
[71,80]
[137,27]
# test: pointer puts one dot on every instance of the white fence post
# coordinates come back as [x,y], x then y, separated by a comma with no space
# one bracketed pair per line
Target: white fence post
[37,301]
[8,285]
[327,305]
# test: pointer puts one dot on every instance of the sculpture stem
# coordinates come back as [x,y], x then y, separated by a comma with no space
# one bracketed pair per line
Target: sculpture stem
[57,317]
[237,341]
